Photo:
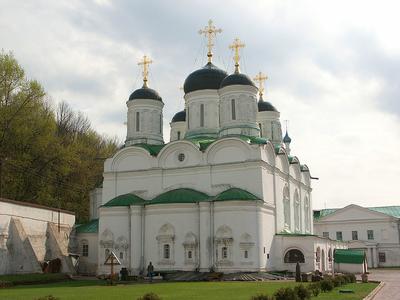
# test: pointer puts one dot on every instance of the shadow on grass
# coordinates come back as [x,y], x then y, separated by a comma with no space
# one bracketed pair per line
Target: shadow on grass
[69,283]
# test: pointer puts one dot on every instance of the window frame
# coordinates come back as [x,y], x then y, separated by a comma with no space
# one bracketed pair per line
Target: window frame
[166,251]
[370,234]
[201,115]
[354,233]
[137,119]
[341,235]
[233,109]
[85,250]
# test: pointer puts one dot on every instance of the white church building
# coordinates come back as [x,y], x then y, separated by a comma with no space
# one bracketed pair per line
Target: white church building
[224,194]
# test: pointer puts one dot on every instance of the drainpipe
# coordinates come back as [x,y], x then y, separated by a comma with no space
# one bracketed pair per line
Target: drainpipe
[198,246]
[212,233]
[142,232]
[130,239]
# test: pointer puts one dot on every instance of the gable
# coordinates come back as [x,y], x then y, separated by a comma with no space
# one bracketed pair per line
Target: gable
[354,213]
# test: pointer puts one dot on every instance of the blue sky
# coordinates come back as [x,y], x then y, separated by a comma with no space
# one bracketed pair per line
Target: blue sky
[333,67]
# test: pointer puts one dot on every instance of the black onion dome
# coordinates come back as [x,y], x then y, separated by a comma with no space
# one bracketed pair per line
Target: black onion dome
[237,78]
[179,117]
[207,78]
[145,93]
[266,106]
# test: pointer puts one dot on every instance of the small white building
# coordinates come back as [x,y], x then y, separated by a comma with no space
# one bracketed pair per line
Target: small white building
[376,230]
[350,261]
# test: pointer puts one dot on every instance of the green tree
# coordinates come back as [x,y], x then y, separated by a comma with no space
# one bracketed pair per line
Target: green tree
[47,156]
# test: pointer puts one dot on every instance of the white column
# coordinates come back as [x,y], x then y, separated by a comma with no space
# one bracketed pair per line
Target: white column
[204,235]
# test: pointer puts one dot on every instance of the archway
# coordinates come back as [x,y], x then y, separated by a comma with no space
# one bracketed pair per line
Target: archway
[294,256]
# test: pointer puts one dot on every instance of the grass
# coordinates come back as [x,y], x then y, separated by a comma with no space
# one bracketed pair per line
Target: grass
[34,278]
[96,290]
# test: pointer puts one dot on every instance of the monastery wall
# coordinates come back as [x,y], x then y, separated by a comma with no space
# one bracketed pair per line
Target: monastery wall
[24,235]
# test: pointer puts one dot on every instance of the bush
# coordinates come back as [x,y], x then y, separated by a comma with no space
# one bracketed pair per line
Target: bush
[351,278]
[304,277]
[286,294]
[5,284]
[262,297]
[149,296]
[326,285]
[48,297]
[302,292]
[315,288]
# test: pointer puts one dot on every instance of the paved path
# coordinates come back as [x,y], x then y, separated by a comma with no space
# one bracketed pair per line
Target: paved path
[391,290]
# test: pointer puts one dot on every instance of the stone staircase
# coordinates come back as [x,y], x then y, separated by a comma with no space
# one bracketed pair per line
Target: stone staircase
[197,276]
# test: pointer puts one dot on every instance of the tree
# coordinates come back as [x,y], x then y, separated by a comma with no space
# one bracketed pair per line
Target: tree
[47,156]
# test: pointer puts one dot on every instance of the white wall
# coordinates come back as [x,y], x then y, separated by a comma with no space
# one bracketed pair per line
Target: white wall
[356,218]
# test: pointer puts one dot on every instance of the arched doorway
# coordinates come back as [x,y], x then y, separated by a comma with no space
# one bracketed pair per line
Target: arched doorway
[294,256]
[323,260]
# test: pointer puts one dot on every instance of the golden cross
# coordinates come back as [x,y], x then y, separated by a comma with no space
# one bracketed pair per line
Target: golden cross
[210,32]
[236,45]
[260,78]
[145,63]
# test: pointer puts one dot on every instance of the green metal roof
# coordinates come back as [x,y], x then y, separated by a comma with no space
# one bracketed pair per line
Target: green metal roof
[393,211]
[152,149]
[349,256]
[180,196]
[235,194]
[124,200]
[90,227]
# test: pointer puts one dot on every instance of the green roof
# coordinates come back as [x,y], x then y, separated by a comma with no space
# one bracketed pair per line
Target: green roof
[125,200]
[393,211]
[235,194]
[90,227]
[180,196]
[349,256]
[152,149]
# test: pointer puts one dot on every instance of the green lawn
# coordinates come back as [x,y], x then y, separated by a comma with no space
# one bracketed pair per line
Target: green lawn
[88,290]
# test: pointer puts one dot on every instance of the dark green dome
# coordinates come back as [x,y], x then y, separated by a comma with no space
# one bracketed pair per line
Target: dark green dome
[207,78]
[145,93]
[237,78]
[179,117]
[265,106]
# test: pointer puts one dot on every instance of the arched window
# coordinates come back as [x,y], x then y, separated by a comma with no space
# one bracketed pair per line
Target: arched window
[296,211]
[307,214]
[166,251]
[261,132]
[224,251]
[161,123]
[190,254]
[179,135]
[330,254]
[294,256]
[137,121]
[85,248]
[318,255]
[246,254]
[201,115]
[233,109]
[286,207]
[106,253]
